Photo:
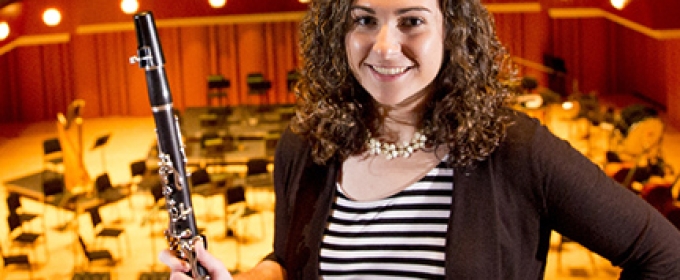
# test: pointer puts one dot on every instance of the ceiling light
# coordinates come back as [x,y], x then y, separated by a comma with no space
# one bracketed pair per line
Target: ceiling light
[129,6]
[620,4]
[52,17]
[4,30]
[217,3]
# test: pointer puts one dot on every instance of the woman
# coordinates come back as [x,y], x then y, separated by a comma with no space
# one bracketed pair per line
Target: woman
[474,191]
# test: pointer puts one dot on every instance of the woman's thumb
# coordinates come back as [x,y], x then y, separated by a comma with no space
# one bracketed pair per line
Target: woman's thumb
[215,267]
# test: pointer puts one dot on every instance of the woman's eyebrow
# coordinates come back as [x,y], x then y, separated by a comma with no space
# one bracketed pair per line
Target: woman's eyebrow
[398,12]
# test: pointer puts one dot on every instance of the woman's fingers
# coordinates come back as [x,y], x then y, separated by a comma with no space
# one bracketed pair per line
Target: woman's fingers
[174,263]
[180,268]
[215,267]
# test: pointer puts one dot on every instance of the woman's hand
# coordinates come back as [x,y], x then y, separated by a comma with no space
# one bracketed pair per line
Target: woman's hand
[215,267]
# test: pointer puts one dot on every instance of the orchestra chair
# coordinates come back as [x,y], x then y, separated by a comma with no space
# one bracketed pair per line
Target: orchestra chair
[14,206]
[102,231]
[137,176]
[259,181]
[237,212]
[15,260]
[24,238]
[53,194]
[108,193]
[95,255]
[203,184]
[157,211]
[52,161]
[52,155]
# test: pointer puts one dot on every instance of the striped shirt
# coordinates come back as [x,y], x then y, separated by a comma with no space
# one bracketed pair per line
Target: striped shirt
[399,237]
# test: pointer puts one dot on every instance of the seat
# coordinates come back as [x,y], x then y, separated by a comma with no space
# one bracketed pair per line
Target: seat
[138,181]
[100,144]
[96,255]
[237,211]
[24,238]
[16,260]
[259,181]
[14,206]
[107,192]
[102,231]
[53,161]
[52,155]
[204,185]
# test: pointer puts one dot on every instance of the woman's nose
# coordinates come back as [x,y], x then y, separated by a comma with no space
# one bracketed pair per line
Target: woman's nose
[386,42]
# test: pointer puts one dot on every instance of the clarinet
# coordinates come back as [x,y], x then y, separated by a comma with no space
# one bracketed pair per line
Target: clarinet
[182,232]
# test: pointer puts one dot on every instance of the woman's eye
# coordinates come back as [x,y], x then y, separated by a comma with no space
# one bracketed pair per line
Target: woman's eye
[412,22]
[364,20]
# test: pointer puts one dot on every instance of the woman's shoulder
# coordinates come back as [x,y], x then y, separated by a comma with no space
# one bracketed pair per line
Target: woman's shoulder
[291,143]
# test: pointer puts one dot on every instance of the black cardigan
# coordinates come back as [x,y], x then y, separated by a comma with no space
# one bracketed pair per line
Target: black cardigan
[502,214]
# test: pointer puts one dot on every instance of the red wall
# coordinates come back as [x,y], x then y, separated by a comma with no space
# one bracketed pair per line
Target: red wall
[37,81]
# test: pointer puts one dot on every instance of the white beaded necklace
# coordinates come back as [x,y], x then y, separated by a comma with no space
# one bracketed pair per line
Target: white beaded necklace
[392,150]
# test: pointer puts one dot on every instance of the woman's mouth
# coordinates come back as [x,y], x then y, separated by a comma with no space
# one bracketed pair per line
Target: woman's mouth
[389,70]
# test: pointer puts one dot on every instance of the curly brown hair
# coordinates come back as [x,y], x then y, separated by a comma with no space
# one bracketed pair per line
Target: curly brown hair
[334,112]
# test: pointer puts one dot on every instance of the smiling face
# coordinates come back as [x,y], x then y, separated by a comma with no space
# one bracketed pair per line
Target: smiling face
[395,48]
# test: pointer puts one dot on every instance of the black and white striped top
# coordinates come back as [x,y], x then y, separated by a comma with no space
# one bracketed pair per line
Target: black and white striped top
[400,237]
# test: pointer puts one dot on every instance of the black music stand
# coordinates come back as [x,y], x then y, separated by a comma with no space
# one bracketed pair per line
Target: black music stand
[217,86]
[99,144]
[292,78]
[258,85]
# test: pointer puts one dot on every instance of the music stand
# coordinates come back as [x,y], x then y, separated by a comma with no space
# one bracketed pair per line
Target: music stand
[99,143]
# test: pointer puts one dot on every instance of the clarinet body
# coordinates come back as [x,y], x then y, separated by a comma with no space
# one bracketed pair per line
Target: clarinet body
[182,232]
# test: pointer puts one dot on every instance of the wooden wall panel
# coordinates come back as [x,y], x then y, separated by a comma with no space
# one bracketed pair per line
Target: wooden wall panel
[85,73]
[5,88]
[251,51]
[195,60]
[673,86]
[31,81]
[227,59]
[57,89]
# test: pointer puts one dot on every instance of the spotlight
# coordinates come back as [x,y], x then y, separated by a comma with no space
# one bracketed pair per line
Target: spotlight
[52,17]
[129,6]
[4,30]
[620,4]
[217,3]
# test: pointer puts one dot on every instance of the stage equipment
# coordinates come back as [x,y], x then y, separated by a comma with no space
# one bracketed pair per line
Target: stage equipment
[99,144]
[76,177]
[217,88]
[182,233]
[258,85]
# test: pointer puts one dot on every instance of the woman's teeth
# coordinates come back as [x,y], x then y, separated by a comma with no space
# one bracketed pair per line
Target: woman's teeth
[390,70]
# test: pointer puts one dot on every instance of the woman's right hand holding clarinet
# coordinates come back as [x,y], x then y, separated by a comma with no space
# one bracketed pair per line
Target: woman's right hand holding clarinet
[215,267]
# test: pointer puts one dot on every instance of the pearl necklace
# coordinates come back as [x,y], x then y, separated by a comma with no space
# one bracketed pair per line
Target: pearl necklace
[392,150]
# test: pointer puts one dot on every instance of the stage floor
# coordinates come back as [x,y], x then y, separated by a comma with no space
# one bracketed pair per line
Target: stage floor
[131,138]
